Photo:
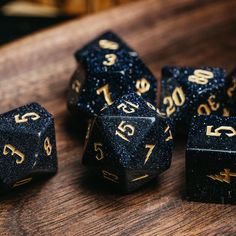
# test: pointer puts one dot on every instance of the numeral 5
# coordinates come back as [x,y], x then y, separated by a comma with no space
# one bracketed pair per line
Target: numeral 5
[32,115]
[216,133]
[98,149]
[125,128]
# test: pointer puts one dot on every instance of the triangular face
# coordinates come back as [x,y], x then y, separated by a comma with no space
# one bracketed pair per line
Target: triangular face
[125,134]
[130,105]
[99,152]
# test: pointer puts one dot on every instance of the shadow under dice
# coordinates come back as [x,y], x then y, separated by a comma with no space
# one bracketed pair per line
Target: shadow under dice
[211,160]
[187,91]
[27,145]
[129,143]
[107,69]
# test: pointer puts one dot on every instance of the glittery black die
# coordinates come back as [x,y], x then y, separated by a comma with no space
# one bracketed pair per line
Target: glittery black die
[211,160]
[129,143]
[107,69]
[187,91]
[27,145]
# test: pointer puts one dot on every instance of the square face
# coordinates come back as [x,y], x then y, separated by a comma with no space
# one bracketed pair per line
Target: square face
[211,160]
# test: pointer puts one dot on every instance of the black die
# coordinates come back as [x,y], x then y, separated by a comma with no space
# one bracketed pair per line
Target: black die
[187,91]
[27,145]
[129,143]
[107,69]
[211,160]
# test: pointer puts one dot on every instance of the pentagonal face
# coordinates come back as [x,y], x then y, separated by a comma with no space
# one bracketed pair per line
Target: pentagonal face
[46,161]
[21,132]
[184,89]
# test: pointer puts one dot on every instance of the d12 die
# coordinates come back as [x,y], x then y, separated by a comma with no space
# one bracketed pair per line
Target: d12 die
[187,91]
[107,69]
[27,145]
[211,160]
[129,143]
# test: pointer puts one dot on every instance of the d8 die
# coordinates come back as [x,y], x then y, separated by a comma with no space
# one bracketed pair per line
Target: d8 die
[211,160]
[107,69]
[27,145]
[187,91]
[129,143]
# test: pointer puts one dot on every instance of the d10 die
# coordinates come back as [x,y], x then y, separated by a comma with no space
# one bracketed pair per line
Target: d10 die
[187,91]
[211,160]
[107,69]
[27,145]
[129,143]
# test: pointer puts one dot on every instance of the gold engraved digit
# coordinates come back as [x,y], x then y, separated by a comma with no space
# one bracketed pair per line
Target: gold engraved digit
[231,131]
[139,178]
[110,176]
[47,146]
[125,109]
[224,176]
[177,99]
[32,115]
[76,86]
[105,90]
[142,86]
[8,148]
[125,128]
[98,149]
[226,112]
[170,137]
[107,44]
[110,59]
[150,147]
[231,89]
[170,105]
[212,103]
[201,76]
[203,109]
[22,182]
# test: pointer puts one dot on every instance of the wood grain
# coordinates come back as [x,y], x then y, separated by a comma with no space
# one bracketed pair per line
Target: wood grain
[37,68]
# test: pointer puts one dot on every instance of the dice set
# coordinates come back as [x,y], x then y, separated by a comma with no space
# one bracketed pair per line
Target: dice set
[129,140]
[27,146]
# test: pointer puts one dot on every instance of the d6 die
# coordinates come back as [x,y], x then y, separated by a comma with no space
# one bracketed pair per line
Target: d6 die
[107,69]
[211,160]
[187,91]
[27,145]
[129,143]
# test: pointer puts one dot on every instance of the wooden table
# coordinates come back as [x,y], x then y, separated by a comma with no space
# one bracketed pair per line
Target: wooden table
[38,68]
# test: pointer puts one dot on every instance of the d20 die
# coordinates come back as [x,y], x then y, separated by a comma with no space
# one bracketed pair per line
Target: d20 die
[211,160]
[27,145]
[129,143]
[107,69]
[187,91]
